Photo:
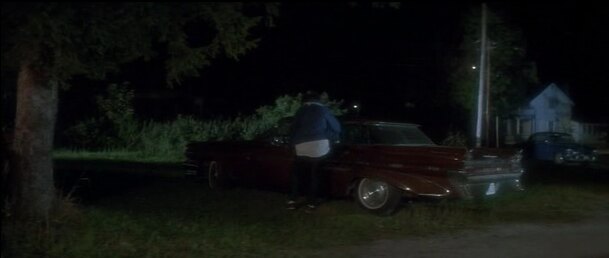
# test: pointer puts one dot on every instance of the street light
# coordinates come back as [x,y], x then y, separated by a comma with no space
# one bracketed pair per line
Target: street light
[481,84]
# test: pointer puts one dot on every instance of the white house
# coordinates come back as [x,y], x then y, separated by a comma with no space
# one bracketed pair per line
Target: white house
[551,111]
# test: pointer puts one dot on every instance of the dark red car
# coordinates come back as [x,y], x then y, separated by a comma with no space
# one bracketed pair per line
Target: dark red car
[376,162]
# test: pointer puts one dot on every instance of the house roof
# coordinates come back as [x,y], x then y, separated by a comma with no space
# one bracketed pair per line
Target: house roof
[552,91]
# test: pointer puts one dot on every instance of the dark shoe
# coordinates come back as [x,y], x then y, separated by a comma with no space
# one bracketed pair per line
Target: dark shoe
[310,208]
[291,205]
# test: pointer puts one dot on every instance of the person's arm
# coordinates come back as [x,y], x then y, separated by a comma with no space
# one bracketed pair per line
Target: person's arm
[294,126]
[334,125]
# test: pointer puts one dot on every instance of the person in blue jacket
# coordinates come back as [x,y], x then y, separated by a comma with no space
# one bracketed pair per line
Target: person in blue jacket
[312,133]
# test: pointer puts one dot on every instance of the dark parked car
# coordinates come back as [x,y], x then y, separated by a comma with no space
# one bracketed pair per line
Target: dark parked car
[557,148]
[376,162]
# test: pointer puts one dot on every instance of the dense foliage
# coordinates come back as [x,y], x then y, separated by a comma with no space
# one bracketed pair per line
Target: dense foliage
[116,128]
[93,39]
[511,72]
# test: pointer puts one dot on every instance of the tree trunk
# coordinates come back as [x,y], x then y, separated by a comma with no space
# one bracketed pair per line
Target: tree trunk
[35,117]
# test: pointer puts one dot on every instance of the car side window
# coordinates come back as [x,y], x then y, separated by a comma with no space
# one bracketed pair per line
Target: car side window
[385,135]
[280,129]
[354,134]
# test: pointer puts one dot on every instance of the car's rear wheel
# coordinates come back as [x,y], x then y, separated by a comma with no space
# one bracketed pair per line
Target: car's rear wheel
[215,176]
[377,196]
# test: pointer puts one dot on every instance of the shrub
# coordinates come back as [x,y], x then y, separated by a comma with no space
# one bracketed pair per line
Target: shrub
[87,134]
[455,139]
[114,127]
[118,129]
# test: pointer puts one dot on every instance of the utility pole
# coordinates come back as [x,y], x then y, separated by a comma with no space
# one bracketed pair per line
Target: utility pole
[482,79]
[487,95]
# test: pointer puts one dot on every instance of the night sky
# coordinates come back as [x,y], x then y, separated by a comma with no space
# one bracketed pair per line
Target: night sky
[390,61]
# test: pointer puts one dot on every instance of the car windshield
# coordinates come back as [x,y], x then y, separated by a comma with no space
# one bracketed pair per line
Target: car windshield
[554,138]
[398,135]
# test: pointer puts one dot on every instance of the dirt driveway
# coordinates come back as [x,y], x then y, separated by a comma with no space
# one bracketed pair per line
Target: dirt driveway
[587,238]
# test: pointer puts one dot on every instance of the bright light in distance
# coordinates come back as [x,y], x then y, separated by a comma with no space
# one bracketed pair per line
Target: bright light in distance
[355,106]
[474,67]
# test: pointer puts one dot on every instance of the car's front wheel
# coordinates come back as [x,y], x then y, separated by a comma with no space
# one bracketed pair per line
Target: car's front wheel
[377,196]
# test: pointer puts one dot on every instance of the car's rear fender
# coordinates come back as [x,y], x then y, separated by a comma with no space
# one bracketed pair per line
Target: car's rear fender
[411,185]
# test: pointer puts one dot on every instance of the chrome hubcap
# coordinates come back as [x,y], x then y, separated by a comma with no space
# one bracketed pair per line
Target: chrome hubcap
[373,194]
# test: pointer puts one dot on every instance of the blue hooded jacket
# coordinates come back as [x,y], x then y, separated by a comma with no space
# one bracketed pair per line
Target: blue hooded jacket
[312,122]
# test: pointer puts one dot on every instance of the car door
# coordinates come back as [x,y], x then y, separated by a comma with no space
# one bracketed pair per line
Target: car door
[273,158]
[340,167]
[273,161]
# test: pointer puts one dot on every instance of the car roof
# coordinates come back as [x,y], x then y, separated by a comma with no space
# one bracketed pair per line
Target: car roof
[364,121]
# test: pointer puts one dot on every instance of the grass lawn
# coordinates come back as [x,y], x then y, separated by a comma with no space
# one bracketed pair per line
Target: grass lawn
[169,216]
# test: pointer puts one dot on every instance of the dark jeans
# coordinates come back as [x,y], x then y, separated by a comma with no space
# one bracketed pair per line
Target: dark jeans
[306,179]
